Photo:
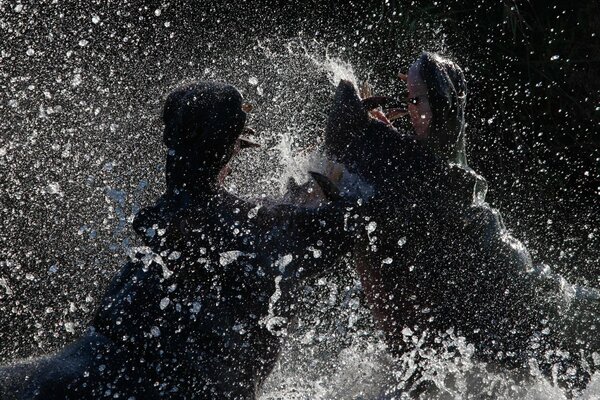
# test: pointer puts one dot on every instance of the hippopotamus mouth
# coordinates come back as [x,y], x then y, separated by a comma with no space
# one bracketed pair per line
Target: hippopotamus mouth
[387,116]
[243,142]
[382,108]
[354,110]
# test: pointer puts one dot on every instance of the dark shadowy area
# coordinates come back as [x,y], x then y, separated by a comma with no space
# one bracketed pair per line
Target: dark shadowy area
[82,84]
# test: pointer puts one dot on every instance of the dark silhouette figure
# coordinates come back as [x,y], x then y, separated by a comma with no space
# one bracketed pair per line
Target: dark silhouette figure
[438,262]
[197,311]
[205,314]
[233,265]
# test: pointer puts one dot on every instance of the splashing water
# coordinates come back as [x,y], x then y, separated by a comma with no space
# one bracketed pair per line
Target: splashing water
[333,350]
[336,68]
[292,118]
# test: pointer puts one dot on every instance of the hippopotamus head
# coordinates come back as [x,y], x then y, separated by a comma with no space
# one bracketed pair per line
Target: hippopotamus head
[437,90]
[364,144]
[391,160]
[203,124]
[436,104]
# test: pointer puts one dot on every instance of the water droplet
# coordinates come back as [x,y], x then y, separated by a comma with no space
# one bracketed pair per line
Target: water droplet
[157,12]
[546,331]
[316,252]
[30,52]
[4,284]
[76,81]
[196,306]
[164,303]
[69,327]
[371,227]
[554,57]
[54,188]
[95,19]
[227,257]
[253,81]
[253,212]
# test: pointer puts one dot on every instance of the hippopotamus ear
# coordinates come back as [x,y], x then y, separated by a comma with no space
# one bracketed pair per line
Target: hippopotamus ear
[182,118]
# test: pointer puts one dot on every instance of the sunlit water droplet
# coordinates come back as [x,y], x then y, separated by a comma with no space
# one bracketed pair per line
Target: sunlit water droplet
[164,303]
[69,327]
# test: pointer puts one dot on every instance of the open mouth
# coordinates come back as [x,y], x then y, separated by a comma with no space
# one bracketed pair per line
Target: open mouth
[242,142]
[385,109]
[382,108]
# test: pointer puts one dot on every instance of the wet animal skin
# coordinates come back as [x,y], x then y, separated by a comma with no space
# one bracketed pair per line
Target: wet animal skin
[191,315]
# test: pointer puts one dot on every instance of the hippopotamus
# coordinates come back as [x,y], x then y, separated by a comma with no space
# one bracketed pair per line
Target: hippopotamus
[437,262]
[235,264]
[197,311]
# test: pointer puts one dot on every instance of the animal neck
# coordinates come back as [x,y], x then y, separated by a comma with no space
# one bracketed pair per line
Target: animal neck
[187,175]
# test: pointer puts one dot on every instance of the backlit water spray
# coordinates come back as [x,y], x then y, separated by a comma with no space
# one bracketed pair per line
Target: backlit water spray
[333,351]
[94,186]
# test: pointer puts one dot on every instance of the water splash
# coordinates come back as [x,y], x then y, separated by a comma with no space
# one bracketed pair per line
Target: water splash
[336,68]
[333,351]
[290,110]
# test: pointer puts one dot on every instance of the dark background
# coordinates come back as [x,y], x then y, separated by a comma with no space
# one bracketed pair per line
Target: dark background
[83,110]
